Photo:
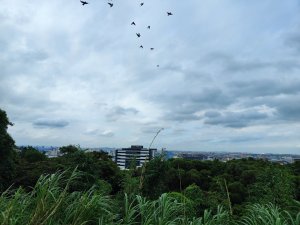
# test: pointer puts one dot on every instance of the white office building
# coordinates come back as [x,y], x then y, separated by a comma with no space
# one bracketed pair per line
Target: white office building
[126,157]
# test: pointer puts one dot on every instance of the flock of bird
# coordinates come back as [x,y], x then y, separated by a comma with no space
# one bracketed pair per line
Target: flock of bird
[133,23]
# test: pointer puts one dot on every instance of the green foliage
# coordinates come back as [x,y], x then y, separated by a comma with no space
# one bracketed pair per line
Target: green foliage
[274,184]
[31,154]
[69,149]
[295,167]
[221,217]
[93,168]
[51,202]
[130,182]
[7,153]
[188,205]
[237,192]
[248,177]
[155,177]
[268,214]
[248,181]
[97,168]
[198,198]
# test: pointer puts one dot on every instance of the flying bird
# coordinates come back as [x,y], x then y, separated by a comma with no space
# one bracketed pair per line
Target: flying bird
[84,2]
[151,49]
[138,34]
[133,23]
[142,3]
[110,4]
[157,65]
[148,27]
[169,13]
[141,46]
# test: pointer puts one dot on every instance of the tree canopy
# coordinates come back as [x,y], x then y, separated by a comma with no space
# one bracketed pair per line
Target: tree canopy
[7,144]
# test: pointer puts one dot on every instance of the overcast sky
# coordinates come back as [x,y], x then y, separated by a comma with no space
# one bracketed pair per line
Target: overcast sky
[228,76]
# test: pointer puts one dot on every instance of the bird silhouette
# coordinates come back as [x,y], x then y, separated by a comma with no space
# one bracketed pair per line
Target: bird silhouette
[84,2]
[157,65]
[133,23]
[110,4]
[142,3]
[138,34]
[169,13]
[148,27]
[151,49]
[141,46]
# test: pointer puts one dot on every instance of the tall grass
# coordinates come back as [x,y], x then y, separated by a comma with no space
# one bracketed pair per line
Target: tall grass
[269,214]
[51,203]
[221,217]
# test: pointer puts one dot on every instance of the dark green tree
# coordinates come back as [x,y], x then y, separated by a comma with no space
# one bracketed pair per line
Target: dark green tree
[237,192]
[69,149]
[7,153]
[155,177]
[31,155]
[274,184]
[248,177]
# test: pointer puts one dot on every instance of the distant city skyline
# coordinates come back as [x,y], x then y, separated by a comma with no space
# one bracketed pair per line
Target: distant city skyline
[222,75]
[105,148]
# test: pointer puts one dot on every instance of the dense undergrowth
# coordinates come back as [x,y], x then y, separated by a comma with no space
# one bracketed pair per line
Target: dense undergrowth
[51,203]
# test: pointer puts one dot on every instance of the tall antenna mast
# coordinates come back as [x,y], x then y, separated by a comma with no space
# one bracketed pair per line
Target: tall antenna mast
[144,165]
[157,133]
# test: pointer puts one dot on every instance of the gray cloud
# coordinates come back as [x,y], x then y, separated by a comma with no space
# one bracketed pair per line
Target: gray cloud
[185,107]
[242,139]
[231,64]
[179,131]
[150,129]
[238,139]
[177,116]
[293,41]
[264,87]
[30,56]
[49,123]
[234,119]
[284,107]
[288,107]
[290,111]
[117,112]
[92,132]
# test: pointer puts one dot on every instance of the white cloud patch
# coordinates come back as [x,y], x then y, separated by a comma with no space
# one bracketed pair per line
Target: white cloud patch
[107,133]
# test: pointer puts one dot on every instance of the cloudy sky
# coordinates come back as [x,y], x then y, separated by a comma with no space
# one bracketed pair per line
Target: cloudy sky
[228,76]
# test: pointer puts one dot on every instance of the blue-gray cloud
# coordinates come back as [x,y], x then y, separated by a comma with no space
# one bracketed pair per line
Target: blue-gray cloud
[117,112]
[264,87]
[230,64]
[185,106]
[234,119]
[49,123]
[293,41]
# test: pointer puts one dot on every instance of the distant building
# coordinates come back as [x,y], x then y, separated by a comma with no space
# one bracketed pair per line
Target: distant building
[288,159]
[296,160]
[136,154]
[53,153]
[192,156]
